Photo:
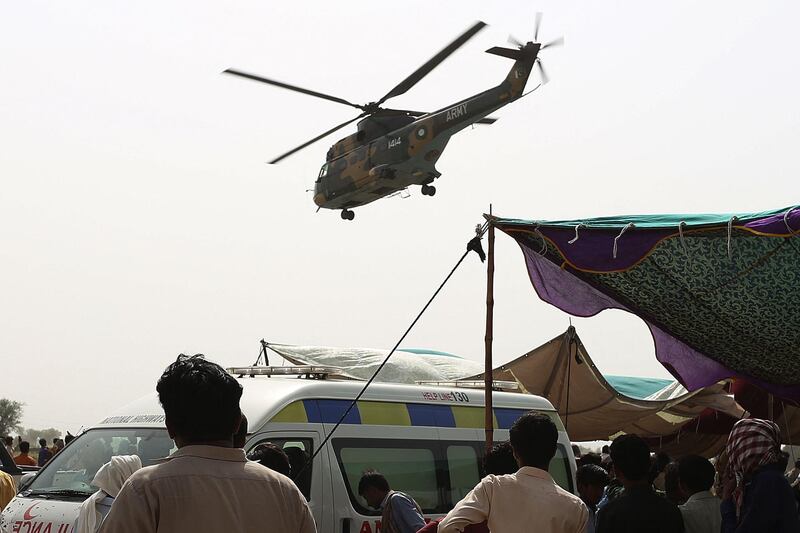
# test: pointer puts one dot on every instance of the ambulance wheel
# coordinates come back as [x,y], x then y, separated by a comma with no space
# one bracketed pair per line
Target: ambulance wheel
[428,190]
[347,214]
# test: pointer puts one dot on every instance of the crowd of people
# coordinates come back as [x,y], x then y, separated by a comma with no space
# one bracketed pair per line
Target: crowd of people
[21,451]
[209,484]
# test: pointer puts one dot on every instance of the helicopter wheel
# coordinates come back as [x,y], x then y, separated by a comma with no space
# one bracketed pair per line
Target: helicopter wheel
[347,214]
[428,190]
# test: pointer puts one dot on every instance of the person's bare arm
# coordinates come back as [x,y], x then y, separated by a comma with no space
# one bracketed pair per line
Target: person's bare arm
[473,509]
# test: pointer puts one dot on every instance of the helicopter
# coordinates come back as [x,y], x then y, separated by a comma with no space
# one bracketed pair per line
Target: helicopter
[394,149]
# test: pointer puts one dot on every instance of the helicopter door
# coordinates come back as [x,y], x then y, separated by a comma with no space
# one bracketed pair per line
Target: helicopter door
[379,152]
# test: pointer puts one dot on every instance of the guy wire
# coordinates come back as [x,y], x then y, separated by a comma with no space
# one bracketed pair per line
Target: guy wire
[479,233]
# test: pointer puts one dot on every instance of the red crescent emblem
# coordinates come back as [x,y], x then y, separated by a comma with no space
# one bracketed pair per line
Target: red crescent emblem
[27,514]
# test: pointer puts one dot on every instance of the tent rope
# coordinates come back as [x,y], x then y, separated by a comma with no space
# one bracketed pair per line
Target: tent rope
[680,235]
[786,221]
[472,245]
[573,241]
[630,225]
[730,233]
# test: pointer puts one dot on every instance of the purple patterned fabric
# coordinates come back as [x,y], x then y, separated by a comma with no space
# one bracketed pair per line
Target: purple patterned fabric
[777,224]
[596,249]
[561,288]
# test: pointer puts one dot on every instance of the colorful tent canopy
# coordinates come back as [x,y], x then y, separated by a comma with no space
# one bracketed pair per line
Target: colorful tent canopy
[562,371]
[720,293]
[637,387]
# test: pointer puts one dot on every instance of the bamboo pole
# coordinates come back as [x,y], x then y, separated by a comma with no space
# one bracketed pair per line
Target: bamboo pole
[487,384]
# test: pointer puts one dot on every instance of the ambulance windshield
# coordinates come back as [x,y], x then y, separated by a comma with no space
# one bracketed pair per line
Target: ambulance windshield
[71,471]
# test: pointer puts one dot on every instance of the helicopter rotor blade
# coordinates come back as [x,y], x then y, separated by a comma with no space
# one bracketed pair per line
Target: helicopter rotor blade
[315,139]
[407,111]
[536,26]
[309,92]
[545,77]
[516,42]
[554,42]
[432,63]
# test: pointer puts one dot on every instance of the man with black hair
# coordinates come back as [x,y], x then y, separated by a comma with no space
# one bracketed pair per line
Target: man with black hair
[273,457]
[591,480]
[23,458]
[527,499]
[639,508]
[701,512]
[44,453]
[400,513]
[207,485]
[499,460]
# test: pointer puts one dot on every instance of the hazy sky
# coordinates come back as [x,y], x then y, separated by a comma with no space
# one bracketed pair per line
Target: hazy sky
[138,218]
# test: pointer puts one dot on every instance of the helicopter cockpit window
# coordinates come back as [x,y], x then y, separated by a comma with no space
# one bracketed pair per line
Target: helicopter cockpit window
[323,171]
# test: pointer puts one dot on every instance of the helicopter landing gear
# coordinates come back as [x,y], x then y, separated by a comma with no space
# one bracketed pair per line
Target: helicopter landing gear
[347,214]
[428,190]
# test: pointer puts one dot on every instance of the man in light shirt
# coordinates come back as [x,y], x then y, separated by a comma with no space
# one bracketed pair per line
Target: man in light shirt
[207,485]
[527,500]
[701,512]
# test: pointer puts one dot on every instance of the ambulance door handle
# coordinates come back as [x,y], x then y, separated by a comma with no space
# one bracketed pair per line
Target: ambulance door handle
[345,525]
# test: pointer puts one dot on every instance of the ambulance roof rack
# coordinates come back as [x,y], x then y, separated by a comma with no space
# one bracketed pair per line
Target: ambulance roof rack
[506,386]
[305,371]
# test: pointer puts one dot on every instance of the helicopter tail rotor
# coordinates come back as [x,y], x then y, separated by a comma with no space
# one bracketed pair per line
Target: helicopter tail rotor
[536,26]
[555,42]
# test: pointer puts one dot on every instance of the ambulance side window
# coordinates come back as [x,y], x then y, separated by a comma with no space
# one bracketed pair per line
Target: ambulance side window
[462,462]
[559,469]
[409,466]
[299,452]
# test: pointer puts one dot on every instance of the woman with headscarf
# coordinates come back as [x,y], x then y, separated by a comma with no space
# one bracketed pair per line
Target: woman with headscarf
[109,479]
[756,496]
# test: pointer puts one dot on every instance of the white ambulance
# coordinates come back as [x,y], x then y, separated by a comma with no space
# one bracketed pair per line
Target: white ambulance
[426,439]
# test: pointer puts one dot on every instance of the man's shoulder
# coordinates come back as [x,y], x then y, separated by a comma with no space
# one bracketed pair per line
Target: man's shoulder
[396,494]
[697,504]
[516,482]
[568,496]
[188,466]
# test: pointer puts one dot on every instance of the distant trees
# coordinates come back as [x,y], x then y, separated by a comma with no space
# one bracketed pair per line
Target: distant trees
[33,436]
[10,416]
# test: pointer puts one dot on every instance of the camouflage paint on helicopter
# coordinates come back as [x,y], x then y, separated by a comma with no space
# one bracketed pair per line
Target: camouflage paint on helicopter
[394,149]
